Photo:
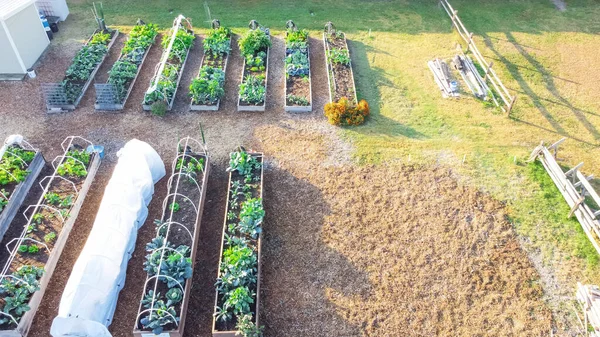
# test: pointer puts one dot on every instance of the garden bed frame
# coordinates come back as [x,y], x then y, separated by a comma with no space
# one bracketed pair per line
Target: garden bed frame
[233,333]
[56,108]
[121,106]
[262,107]
[160,66]
[26,320]
[298,108]
[171,198]
[200,107]
[17,196]
[329,69]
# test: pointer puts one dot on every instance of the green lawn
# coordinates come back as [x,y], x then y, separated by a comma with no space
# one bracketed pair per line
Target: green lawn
[548,58]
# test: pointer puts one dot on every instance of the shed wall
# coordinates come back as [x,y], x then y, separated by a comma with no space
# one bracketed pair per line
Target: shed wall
[8,59]
[28,34]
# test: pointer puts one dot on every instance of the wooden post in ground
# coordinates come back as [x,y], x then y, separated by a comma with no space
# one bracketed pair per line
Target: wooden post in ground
[512,103]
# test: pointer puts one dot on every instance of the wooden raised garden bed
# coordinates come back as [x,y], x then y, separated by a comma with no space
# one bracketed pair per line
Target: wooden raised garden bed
[298,84]
[114,94]
[215,60]
[339,75]
[49,223]
[57,95]
[243,189]
[175,245]
[13,193]
[176,49]
[258,71]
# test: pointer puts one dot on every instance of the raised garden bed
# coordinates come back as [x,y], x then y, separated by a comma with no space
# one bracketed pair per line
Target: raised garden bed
[237,296]
[123,74]
[34,255]
[176,44]
[254,48]
[66,95]
[19,168]
[298,85]
[171,254]
[207,89]
[339,66]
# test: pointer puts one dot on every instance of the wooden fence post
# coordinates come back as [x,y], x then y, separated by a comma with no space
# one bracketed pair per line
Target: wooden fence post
[512,103]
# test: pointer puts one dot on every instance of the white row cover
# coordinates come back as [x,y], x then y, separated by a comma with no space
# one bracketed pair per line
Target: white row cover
[10,140]
[90,297]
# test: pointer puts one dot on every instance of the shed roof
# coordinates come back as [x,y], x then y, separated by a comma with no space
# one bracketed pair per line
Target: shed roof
[9,8]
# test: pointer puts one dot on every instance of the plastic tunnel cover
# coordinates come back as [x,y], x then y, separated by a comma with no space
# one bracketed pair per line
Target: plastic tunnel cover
[88,302]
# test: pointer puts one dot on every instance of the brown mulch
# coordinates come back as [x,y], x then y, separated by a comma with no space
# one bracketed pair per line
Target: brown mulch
[348,251]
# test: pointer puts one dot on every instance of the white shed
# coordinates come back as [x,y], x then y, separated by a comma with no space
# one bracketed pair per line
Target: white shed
[23,38]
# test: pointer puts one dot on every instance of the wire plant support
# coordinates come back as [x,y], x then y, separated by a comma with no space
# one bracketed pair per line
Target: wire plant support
[53,219]
[180,22]
[15,197]
[186,188]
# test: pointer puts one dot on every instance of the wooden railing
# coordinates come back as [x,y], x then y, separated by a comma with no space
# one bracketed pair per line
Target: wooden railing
[508,100]
[575,187]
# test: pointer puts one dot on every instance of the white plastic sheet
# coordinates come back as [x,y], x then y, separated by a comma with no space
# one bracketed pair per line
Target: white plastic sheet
[90,297]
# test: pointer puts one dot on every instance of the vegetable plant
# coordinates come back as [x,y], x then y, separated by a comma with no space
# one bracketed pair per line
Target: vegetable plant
[50,237]
[246,328]
[17,293]
[253,90]
[338,56]
[174,207]
[75,164]
[216,42]
[208,87]
[13,167]
[253,41]
[160,316]
[237,302]
[296,63]
[298,100]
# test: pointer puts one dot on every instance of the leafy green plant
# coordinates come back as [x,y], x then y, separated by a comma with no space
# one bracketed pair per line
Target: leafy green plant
[50,237]
[100,38]
[238,268]
[183,41]
[75,163]
[67,202]
[236,302]
[174,207]
[296,63]
[208,87]
[242,162]
[4,196]
[82,66]
[246,327]
[141,37]
[253,90]
[120,75]
[251,217]
[176,264]
[296,35]
[52,198]
[160,316]
[297,100]
[174,296]
[217,42]
[33,249]
[253,41]
[38,218]
[14,164]
[338,56]
[23,249]
[159,108]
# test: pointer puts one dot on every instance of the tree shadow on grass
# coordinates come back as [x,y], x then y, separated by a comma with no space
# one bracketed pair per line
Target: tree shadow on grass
[369,82]
[548,82]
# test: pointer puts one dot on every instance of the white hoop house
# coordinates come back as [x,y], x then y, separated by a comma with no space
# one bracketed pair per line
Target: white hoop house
[90,297]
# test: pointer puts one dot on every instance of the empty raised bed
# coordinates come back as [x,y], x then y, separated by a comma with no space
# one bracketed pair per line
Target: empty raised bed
[171,254]
[339,66]
[254,47]
[88,302]
[176,45]
[121,77]
[298,87]
[34,254]
[237,298]
[20,165]
[66,95]
[207,89]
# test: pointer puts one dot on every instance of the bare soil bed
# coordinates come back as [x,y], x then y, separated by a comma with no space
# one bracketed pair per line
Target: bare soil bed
[347,251]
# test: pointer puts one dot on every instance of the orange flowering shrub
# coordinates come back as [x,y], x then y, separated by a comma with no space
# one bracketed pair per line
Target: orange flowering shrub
[343,113]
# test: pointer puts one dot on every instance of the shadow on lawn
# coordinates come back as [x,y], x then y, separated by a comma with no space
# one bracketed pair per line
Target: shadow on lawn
[369,82]
[548,82]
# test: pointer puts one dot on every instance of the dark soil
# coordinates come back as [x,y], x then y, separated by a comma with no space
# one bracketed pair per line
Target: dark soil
[342,74]
[298,86]
[187,216]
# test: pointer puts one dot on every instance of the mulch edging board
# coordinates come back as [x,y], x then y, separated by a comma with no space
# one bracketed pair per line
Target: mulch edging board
[121,106]
[234,333]
[331,74]
[199,107]
[26,320]
[52,108]
[240,106]
[18,195]
[299,108]
[176,180]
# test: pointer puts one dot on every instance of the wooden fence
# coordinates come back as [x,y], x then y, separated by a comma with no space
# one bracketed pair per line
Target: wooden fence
[508,100]
[575,187]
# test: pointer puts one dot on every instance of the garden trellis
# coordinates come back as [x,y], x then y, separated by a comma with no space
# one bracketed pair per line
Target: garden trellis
[47,214]
[11,199]
[175,244]
[166,71]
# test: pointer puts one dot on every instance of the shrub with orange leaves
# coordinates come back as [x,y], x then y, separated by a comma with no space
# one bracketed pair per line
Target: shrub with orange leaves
[343,113]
